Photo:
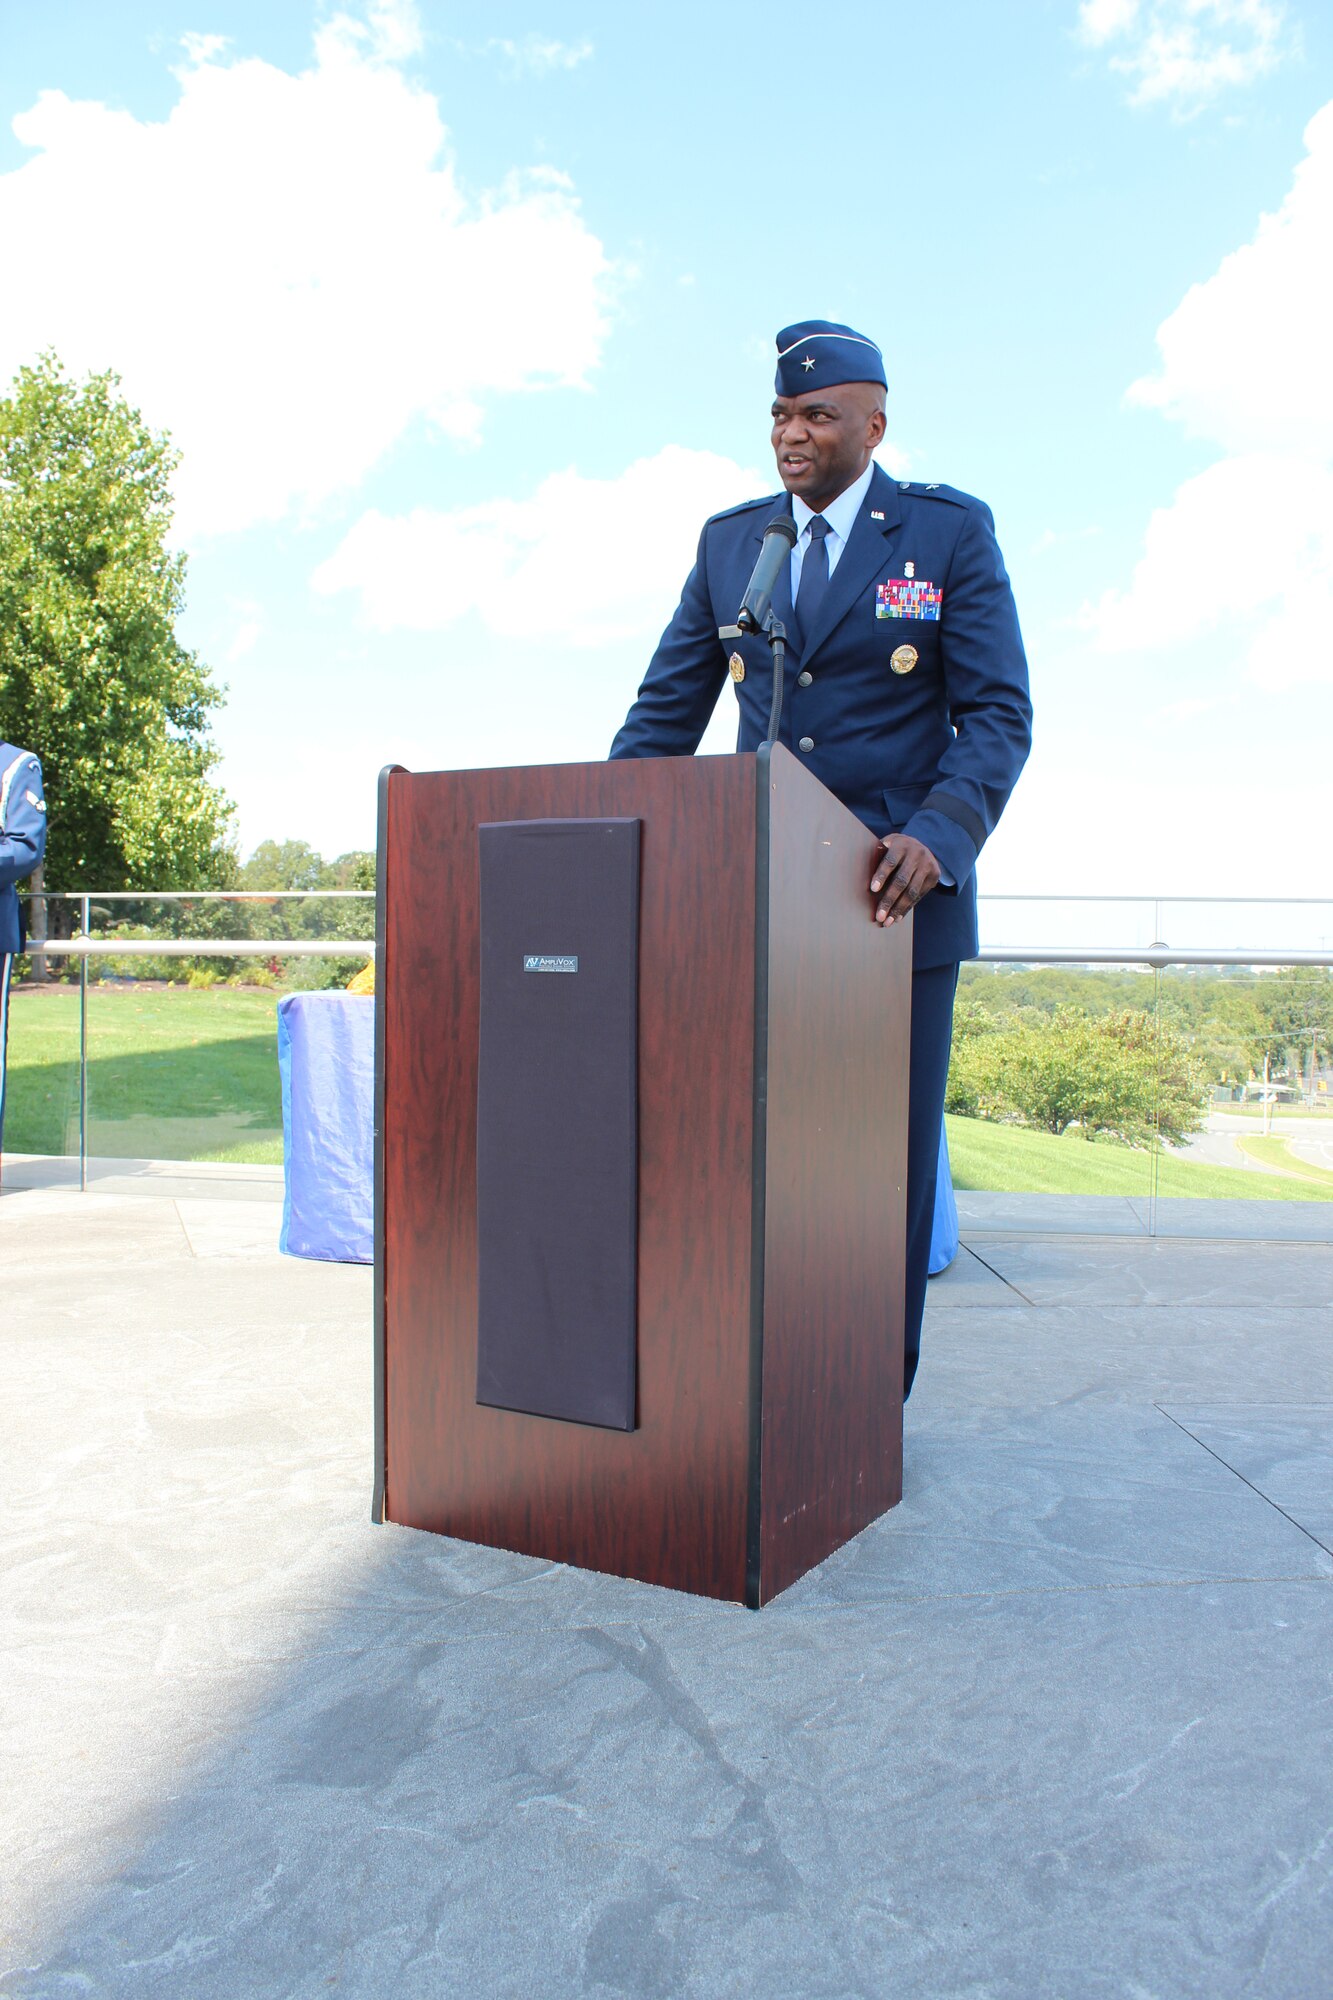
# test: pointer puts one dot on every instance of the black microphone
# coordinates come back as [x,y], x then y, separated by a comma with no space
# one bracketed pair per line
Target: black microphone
[779,541]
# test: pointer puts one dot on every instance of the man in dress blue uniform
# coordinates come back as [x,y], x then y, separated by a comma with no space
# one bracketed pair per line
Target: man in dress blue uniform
[22,845]
[907,687]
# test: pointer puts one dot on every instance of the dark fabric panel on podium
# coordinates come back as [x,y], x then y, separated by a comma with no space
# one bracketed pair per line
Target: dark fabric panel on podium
[557,1119]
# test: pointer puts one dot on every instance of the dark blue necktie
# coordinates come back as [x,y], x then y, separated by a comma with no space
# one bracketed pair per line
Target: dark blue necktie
[813,584]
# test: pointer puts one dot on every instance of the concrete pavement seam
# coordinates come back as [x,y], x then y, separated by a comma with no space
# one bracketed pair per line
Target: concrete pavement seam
[1268,1501]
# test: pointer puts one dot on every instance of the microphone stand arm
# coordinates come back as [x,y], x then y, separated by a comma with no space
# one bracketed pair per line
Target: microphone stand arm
[775,632]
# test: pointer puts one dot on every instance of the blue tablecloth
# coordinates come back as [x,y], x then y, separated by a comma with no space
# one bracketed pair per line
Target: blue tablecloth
[326,1058]
[944,1224]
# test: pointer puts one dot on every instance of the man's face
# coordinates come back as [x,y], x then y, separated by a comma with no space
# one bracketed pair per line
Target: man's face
[823,441]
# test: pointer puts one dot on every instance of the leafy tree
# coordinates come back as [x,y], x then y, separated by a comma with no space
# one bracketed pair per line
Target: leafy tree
[92,675]
[1094,990]
[1124,1074]
[1230,1018]
[1298,1013]
[285,864]
[353,870]
[295,864]
[968,1068]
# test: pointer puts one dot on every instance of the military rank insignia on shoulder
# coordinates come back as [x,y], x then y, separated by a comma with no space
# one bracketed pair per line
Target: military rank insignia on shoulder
[935,489]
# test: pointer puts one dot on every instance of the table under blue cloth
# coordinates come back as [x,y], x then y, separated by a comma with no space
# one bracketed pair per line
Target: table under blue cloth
[326,1059]
[944,1222]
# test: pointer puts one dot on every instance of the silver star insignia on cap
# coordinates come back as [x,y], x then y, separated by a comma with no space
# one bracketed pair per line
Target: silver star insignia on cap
[808,361]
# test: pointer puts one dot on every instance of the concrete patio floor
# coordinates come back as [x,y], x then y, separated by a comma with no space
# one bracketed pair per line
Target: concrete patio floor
[1060,1725]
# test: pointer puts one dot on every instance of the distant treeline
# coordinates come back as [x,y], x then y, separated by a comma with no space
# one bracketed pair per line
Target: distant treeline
[1124,1053]
[257,913]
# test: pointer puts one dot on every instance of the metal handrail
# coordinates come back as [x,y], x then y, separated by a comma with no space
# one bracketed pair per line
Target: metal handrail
[1155,955]
[93,947]
[1138,896]
[197,895]
[984,896]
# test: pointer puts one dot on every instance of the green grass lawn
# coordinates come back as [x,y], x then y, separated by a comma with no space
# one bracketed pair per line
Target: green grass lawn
[1008,1158]
[173,1074]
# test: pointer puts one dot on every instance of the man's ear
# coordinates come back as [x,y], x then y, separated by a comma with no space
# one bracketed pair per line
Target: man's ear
[879,423]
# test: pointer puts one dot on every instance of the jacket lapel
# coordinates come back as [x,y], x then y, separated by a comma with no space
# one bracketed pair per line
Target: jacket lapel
[782,603]
[864,555]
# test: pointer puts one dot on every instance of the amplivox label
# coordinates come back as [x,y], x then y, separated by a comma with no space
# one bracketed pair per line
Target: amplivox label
[538,962]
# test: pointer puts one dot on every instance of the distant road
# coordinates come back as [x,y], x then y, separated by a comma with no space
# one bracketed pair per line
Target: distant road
[1313,1143]
[1310,1140]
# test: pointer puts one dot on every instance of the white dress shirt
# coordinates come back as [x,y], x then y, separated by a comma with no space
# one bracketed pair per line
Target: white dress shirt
[839,514]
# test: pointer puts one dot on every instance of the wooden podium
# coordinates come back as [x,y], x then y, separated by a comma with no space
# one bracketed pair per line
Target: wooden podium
[773,1026]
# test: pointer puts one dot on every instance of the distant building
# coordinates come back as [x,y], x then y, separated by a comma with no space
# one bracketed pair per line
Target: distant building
[1281,1090]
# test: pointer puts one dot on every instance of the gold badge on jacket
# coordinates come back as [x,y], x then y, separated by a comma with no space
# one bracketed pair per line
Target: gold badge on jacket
[903,659]
[737,665]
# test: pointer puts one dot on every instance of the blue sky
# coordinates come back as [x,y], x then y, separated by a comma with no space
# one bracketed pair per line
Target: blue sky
[464,321]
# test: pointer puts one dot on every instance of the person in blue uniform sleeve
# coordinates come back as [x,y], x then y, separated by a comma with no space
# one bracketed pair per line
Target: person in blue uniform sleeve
[22,845]
[907,686]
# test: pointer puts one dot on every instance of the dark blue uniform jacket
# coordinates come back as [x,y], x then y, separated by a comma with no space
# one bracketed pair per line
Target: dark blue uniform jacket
[22,835]
[934,751]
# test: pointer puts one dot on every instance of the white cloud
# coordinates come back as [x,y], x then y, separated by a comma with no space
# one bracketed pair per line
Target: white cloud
[204,48]
[1271,606]
[249,630]
[1185,52]
[540,54]
[1099,20]
[1245,356]
[1191,709]
[1245,549]
[395,29]
[1197,825]
[285,271]
[895,458]
[1059,538]
[583,562]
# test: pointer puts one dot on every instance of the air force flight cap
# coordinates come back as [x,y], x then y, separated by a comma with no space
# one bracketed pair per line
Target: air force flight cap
[816,353]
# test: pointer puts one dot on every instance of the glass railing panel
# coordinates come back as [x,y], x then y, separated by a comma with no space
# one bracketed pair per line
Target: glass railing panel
[1253,1043]
[1050,1114]
[181,1046]
[1224,1159]
[41,1120]
[180,1071]
[1108,1095]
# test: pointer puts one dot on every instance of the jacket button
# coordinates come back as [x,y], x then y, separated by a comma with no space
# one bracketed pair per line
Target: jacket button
[807,743]
[804,680]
